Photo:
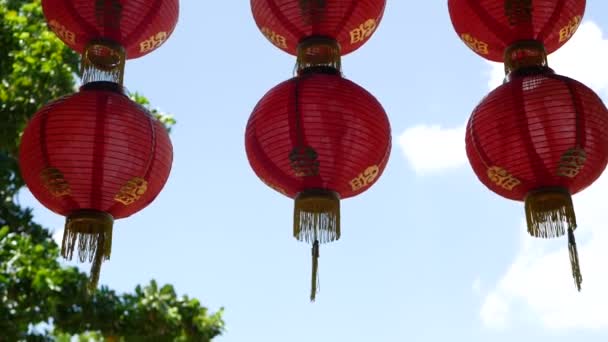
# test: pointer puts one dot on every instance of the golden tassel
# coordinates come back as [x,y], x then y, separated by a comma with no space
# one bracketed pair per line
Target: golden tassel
[91,232]
[549,212]
[103,60]
[574,263]
[314,287]
[316,216]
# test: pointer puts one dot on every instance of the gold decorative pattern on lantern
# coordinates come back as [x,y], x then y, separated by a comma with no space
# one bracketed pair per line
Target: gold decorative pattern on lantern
[475,44]
[518,11]
[365,178]
[363,31]
[502,178]
[571,162]
[303,161]
[54,181]
[275,38]
[568,30]
[133,189]
[153,42]
[61,31]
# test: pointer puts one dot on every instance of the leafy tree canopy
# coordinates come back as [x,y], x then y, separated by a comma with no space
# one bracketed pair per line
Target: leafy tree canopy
[40,299]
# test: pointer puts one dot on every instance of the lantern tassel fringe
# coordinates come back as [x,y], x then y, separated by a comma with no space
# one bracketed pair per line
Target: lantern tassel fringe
[316,216]
[91,73]
[549,213]
[574,262]
[315,286]
[90,232]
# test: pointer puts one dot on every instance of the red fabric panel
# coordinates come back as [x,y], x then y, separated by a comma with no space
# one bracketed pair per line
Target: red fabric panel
[341,121]
[490,26]
[99,140]
[526,125]
[286,22]
[140,26]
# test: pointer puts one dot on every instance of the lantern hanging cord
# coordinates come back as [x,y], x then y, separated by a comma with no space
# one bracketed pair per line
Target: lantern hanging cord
[315,285]
[574,262]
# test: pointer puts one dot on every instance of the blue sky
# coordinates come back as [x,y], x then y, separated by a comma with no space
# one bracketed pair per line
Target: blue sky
[427,254]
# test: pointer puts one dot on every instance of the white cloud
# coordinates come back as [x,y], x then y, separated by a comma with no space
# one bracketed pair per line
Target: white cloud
[539,281]
[433,148]
[539,284]
[494,312]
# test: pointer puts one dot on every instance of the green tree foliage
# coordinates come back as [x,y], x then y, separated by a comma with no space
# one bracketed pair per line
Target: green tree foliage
[40,299]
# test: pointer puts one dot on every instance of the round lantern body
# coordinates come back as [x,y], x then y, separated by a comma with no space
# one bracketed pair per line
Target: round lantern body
[139,26]
[94,156]
[318,131]
[488,27]
[286,22]
[318,138]
[540,138]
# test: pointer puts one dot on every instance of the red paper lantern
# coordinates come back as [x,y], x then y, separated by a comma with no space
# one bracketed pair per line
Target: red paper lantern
[540,138]
[488,27]
[138,26]
[318,138]
[94,156]
[286,22]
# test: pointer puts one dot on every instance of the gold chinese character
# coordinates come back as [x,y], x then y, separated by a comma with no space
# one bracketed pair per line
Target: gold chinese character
[363,32]
[365,178]
[54,181]
[571,162]
[133,189]
[153,42]
[475,44]
[62,32]
[502,178]
[568,30]
[275,38]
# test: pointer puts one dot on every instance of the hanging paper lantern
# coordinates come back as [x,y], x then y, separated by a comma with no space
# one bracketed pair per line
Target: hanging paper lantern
[540,138]
[106,32]
[94,156]
[286,22]
[318,138]
[138,26]
[490,26]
